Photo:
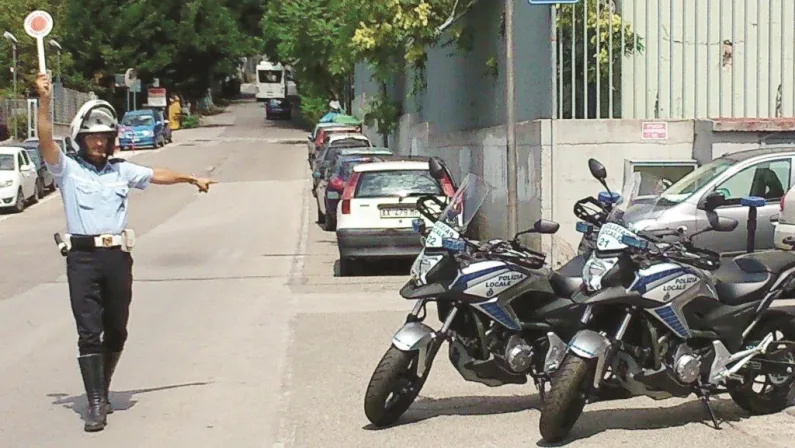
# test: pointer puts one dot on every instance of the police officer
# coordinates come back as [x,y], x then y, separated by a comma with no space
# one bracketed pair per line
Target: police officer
[94,189]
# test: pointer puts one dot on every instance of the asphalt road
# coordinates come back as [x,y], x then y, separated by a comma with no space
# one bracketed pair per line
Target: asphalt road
[242,336]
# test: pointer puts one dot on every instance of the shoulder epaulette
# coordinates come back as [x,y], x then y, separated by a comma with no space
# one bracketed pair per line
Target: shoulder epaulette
[116,160]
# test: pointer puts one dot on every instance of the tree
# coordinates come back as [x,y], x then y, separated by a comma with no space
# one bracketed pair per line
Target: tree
[12,17]
[188,44]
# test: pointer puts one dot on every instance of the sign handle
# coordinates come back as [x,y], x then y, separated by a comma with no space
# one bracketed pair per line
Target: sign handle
[40,47]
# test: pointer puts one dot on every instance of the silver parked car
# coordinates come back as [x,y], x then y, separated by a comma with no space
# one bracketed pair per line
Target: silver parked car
[763,173]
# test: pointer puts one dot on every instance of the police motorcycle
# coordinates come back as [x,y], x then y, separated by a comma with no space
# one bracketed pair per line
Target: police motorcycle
[665,319]
[504,314]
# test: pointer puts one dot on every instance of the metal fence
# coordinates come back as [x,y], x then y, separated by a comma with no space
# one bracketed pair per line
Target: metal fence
[675,59]
[66,103]
[18,114]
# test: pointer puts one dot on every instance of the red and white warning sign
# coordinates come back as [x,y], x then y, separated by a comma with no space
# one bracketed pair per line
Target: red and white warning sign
[654,130]
[157,97]
[38,25]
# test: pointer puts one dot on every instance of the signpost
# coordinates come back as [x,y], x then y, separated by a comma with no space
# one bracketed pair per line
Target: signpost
[157,97]
[131,81]
[38,25]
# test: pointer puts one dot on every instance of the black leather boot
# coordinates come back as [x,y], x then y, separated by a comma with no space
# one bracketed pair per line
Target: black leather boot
[110,359]
[93,380]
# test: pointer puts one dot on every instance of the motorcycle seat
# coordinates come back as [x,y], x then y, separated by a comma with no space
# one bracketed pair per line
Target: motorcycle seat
[772,261]
[742,282]
[568,279]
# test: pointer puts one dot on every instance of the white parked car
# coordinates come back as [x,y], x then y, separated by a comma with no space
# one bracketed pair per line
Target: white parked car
[18,177]
[378,205]
[785,228]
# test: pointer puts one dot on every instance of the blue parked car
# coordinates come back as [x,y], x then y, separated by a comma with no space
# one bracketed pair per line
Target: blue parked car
[278,108]
[143,128]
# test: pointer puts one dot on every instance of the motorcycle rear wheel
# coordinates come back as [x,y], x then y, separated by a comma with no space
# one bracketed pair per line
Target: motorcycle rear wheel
[775,398]
[566,399]
[393,387]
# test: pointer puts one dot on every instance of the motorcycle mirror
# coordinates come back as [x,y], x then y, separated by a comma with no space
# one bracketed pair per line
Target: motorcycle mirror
[435,168]
[711,201]
[546,226]
[598,170]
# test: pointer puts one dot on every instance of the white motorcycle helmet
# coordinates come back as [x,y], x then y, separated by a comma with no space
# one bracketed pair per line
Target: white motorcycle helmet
[94,117]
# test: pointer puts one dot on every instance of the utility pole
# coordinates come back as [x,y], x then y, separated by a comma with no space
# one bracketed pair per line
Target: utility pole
[10,37]
[510,107]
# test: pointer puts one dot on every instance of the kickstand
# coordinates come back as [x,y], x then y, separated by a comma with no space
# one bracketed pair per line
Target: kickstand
[703,396]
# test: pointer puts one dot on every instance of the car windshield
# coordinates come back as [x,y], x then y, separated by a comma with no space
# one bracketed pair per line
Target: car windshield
[6,162]
[346,167]
[397,183]
[34,156]
[696,179]
[270,76]
[350,143]
[137,120]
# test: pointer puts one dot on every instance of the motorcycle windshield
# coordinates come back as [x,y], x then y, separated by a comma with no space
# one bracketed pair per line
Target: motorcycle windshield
[464,204]
[637,211]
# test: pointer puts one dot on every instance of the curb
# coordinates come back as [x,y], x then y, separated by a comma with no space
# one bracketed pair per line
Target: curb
[286,141]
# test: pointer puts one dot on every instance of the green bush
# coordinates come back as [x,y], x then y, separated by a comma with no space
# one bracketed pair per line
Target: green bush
[191,121]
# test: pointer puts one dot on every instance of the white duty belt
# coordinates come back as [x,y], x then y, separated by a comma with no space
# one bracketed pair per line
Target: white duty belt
[125,240]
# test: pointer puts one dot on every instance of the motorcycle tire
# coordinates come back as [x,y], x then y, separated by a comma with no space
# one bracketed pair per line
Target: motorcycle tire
[386,378]
[780,394]
[566,398]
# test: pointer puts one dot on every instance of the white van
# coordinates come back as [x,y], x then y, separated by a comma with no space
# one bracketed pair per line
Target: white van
[274,81]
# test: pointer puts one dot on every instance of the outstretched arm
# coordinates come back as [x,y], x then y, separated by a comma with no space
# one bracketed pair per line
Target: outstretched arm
[164,176]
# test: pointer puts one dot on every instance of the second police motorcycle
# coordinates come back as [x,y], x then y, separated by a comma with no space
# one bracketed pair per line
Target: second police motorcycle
[664,318]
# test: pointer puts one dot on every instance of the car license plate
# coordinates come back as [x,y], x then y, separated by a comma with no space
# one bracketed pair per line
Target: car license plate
[333,195]
[399,213]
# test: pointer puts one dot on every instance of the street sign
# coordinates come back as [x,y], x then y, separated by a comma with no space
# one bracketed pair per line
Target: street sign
[155,82]
[553,2]
[157,97]
[38,25]
[129,77]
[654,130]
[136,86]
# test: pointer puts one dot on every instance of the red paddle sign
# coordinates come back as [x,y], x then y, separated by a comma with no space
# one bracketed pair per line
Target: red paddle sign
[38,25]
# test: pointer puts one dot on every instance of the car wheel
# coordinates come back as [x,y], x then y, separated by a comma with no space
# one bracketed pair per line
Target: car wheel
[19,207]
[38,191]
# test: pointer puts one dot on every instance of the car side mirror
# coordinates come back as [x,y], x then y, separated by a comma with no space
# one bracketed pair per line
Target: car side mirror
[711,201]
[597,170]
[435,168]
[545,226]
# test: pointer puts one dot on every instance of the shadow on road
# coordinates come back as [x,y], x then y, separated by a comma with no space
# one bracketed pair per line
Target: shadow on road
[426,408]
[121,401]
[596,422]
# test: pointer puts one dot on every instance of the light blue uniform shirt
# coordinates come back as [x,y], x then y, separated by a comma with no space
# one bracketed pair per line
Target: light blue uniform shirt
[95,201]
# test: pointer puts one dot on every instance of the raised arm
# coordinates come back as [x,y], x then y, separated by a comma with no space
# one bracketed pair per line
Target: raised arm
[47,146]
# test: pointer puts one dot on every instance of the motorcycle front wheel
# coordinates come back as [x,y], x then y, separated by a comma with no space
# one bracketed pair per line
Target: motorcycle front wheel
[566,399]
[393,387]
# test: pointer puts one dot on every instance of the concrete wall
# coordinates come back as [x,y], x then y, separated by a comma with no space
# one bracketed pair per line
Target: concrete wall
[553,172]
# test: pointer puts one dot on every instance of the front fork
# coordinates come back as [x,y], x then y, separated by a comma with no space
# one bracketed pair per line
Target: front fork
[416,336]
[589,344]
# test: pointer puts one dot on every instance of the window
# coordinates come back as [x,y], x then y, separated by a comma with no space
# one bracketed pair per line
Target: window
[270,76]
[20,160]
[401,183]
[6,162]
[693,181]
[769,180]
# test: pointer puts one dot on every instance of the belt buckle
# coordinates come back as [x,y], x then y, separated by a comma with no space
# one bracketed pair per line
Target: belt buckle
[107,241]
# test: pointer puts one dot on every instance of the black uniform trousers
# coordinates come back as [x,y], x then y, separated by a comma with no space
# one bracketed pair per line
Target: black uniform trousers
[100,289]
